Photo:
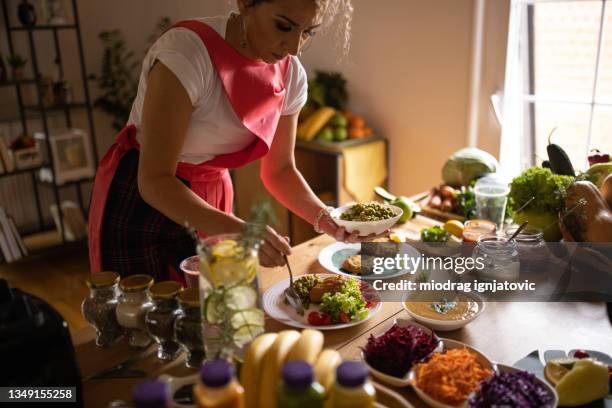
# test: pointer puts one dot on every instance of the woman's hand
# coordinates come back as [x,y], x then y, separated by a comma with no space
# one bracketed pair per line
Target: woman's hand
[339,233]
[274,248]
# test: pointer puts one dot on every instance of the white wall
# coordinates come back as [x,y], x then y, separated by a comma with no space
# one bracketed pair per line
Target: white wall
[408,71]
[408,75]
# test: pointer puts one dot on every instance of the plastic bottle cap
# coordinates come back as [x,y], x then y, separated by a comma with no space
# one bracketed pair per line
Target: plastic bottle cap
[151,394]
[298,374]
[351,374]
[217,373]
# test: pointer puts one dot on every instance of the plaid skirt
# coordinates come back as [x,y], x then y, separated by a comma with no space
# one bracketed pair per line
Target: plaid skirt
[136,238]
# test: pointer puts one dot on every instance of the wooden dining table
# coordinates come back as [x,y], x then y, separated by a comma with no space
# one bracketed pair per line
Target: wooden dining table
[505,332]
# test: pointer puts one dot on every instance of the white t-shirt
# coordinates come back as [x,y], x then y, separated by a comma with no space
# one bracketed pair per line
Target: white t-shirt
[214,128]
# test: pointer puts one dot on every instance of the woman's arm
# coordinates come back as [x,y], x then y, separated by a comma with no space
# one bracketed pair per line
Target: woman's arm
[166,114]
[283,180]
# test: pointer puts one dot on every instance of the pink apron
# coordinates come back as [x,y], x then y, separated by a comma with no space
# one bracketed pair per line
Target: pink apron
[256,91]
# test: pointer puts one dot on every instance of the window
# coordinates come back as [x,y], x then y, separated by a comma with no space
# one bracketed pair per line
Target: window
[559,75]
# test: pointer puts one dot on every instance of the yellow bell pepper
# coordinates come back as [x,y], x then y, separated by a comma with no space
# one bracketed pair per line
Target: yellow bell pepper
[587,381]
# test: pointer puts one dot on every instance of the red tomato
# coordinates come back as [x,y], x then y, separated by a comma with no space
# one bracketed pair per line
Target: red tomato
[581,354]
[319,319]
[344,317]
[327,319]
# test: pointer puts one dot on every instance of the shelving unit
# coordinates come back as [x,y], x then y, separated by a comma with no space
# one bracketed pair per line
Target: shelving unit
[39,110]
[322,166]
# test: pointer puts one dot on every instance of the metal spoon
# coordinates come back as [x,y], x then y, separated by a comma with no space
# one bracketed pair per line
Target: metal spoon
[290,294]
[518,231]
[522,207]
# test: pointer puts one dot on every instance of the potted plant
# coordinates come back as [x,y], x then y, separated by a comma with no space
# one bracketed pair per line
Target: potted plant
[17,62]
[118,80]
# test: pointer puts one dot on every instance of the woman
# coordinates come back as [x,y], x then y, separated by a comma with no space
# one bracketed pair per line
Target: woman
[214,94]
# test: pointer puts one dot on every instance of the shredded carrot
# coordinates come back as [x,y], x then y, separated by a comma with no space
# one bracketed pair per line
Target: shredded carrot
[450,377]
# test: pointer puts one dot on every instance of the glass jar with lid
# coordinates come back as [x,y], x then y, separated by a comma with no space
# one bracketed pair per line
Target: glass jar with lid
[531,246]
[472,231]
[159,320]
[188,327]
[99,309]
[133,306]
[499,257]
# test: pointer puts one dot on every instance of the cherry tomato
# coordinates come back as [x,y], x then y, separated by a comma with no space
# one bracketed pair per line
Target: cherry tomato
[327,319]
[371,304]
[319,319]
[344,317]
[581,354]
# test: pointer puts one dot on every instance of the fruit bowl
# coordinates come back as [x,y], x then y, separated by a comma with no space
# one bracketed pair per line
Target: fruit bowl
[366,228]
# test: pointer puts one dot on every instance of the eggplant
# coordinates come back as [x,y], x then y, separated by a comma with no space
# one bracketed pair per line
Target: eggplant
[559,160]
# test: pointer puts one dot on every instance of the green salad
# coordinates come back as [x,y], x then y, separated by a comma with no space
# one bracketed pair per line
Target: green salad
[367,212]
[434,234]
[345,305]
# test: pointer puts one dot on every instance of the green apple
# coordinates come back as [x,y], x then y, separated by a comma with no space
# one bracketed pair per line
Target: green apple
[338,120]
[326,135]
[340,134]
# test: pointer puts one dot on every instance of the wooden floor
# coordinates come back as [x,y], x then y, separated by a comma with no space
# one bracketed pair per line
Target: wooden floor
[55,275]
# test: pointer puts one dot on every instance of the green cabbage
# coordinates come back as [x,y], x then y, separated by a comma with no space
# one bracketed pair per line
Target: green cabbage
[466,165]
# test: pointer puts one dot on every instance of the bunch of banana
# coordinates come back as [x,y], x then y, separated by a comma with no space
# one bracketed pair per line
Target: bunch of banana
[272,364]
[308,347]
[308,129]
[264,358]
[325,367]
[253,363]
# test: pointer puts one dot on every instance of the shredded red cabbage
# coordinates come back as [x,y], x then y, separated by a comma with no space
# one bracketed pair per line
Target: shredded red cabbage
[398,348]
[520,390]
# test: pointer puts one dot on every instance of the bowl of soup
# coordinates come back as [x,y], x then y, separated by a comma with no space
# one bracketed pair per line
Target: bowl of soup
[443,310]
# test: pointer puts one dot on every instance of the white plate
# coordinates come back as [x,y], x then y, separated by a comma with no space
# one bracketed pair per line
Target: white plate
[275,306]
[503,368]
[390,379]
[449,345]
[332,256]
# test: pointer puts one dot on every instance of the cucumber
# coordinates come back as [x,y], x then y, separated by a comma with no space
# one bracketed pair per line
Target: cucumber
[253,317]
[245,334]
[240,297]
[559,160]
[211,308]
[384,194]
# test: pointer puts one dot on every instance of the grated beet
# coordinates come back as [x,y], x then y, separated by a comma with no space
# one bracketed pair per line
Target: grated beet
[398,348]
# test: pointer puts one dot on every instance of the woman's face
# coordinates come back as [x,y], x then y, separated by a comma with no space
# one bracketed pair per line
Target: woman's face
[279,27]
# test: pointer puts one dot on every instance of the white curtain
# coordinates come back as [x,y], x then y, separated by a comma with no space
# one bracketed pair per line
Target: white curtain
[515,148]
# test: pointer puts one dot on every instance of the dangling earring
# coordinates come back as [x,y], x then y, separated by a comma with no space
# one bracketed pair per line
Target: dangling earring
[243,43]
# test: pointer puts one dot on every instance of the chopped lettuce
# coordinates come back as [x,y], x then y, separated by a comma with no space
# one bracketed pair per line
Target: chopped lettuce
[347,302]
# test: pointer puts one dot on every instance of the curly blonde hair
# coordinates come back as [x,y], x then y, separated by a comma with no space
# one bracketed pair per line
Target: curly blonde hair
[334,13]
[339,14]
